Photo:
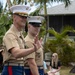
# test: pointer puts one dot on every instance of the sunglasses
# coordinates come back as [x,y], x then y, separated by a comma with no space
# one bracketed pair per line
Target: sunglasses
[53,56]
[35,24]
[22,16]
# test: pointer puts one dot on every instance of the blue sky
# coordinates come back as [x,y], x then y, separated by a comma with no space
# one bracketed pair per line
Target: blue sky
[3,1]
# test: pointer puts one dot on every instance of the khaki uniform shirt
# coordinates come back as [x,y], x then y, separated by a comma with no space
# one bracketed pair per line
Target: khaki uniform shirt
[10,40]
[38,55]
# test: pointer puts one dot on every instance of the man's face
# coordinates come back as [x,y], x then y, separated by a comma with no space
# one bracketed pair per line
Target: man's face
[34,30]
[20,20]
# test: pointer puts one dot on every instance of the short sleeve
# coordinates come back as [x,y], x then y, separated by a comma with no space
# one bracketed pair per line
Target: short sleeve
[29,45]
[10,41]
[59,63]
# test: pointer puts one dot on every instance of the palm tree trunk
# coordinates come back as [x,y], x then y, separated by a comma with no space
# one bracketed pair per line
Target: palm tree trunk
[9,3]
[14,2]
[45,14]
[45,9]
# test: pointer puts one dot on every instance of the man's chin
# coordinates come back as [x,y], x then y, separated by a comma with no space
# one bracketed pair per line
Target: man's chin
[36,33]
[23,26]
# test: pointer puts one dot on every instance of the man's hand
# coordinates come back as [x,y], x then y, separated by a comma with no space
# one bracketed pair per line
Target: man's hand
[37,42]
[41,40]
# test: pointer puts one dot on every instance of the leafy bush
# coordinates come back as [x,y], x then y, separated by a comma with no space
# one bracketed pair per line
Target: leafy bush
[62,44]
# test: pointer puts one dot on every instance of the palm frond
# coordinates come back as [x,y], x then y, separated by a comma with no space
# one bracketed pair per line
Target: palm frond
[1,7]
[63,33]
[14,2]
[66,30]
[53,32]
[41,1]
[66,2]
[36,12]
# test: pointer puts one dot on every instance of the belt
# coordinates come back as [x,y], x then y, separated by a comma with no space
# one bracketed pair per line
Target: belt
[27,67]
[13,64]
[40,67]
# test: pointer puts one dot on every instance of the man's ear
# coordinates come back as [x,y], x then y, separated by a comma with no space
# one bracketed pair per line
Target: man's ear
[28,25]
[14,17]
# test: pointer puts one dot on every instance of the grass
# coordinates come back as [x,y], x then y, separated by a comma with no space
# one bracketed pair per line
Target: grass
[65,71]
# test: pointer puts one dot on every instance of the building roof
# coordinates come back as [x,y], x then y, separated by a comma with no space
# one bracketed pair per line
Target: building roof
[61,10]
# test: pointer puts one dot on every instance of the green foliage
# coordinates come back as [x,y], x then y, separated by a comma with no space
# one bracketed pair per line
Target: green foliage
[42,30]
[1,8]
[66,2]
[61,44]
[18,2]
[5,22]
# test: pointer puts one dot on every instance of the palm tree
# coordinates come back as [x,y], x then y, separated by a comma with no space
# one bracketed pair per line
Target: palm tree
[44,2]
[5,20]
[9,3]
[61,44]
[41,2]
[1,7]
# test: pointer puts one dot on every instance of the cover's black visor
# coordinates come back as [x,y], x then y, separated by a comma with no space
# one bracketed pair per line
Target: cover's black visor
[35,24]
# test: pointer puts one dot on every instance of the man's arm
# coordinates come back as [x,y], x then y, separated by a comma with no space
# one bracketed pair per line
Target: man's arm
[13,47]
[33,66]
[17,53]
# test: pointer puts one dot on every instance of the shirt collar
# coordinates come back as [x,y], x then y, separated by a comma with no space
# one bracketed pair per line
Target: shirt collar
[30,36]
[13,28]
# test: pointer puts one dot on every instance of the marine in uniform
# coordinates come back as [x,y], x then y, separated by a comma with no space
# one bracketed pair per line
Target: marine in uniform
[14,44]
[34,61]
